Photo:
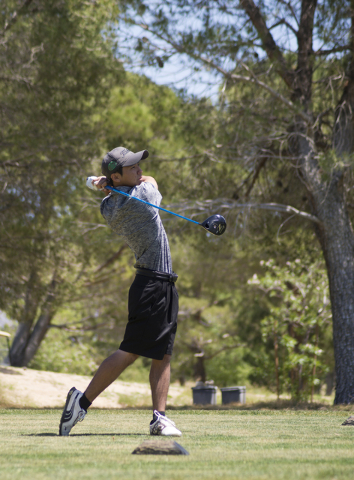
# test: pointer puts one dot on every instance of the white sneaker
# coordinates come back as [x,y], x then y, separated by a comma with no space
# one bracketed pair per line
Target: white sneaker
[72,412]
[164,426]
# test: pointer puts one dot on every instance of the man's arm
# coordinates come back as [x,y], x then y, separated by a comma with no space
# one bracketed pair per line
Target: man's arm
[145,178]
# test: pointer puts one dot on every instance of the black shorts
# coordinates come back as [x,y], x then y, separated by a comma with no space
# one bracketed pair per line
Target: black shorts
[152,323]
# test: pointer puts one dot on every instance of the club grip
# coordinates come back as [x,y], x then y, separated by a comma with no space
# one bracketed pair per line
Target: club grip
[89,184]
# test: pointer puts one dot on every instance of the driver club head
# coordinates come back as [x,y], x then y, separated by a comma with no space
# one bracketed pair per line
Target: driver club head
[216,224]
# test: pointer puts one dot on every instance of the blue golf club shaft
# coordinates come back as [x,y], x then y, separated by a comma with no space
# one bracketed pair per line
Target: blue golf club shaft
[150,204]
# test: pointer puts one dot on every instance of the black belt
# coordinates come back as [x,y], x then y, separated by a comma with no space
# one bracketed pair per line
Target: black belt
[167,277]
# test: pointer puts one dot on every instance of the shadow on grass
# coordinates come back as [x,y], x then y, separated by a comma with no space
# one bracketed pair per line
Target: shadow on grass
[8,371]
[88,435]
[270,405]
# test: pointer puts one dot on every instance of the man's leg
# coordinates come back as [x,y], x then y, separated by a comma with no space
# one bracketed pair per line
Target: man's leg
[77,403]
[160,382]
[160,373]
[109,370]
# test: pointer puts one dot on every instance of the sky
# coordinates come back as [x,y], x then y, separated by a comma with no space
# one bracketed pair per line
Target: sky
[4,320]
[177,76]
[177,73]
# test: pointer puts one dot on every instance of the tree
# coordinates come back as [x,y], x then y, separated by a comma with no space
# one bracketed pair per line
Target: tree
[56,71]
[294,329]
[292,65]
[208,323]
[59,265]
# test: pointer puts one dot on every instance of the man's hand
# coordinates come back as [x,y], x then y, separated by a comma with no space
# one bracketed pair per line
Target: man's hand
[145,178]
[100,183]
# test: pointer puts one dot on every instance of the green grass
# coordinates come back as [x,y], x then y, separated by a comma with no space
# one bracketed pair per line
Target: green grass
[226,444]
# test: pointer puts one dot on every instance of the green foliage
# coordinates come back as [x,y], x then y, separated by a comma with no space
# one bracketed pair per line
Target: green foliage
[56,70]
[140,115]
[229,368]
[65,353]
[208,335]
[294,332]
[329,163]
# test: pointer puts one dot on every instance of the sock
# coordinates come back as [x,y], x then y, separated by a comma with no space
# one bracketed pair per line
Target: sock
[84,402]
[154,418]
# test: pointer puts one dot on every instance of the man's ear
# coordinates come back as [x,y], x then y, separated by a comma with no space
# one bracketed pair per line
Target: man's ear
[116,177]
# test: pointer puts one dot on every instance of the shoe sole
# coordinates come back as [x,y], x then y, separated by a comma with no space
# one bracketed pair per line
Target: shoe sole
[166,434]
[68,398]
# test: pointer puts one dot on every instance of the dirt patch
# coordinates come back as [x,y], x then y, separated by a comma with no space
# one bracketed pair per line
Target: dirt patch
[27,388]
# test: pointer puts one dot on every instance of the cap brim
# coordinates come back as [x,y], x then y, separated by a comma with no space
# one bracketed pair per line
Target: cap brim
[134,158]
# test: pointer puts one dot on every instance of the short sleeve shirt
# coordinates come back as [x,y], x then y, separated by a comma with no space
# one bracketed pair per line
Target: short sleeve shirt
[140,225]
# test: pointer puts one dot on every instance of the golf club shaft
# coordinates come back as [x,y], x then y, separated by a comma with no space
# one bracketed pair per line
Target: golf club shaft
[150,204]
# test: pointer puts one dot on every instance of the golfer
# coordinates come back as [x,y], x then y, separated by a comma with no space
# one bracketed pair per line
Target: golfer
[153,298]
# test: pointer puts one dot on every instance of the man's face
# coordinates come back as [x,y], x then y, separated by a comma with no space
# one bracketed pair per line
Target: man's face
[130,178]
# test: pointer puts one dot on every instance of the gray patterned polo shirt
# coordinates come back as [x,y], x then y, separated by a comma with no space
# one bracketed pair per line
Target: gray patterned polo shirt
[140,225]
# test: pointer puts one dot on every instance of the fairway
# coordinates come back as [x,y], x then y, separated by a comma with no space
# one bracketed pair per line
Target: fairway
[222,444]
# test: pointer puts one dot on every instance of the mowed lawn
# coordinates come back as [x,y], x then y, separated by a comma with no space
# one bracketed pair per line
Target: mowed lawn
[260,444]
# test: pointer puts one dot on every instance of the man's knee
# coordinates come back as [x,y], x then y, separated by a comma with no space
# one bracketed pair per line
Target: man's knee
[131,357]
[126,357]
[167,358]
[161,363]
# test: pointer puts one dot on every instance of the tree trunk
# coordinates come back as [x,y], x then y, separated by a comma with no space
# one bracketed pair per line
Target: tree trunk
[37,336]
[26,343]
[336,237]
[337,241]
[19,344]
[199,370]
[24,328]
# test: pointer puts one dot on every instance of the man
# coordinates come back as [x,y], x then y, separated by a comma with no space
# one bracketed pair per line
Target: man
[153,298]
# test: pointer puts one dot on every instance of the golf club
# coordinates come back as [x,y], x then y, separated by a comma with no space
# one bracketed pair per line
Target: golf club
[216,224]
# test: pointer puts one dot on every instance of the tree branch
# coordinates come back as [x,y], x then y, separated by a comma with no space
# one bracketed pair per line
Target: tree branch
[284,22]
[343,48]
[223,349]
[232,76]
[112,259]
[278,208]
[69,327]
[254,79]
[268,42]
[14,17]
[17,78]
[273,92]
[208,205]
[290,7]
[261,164]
